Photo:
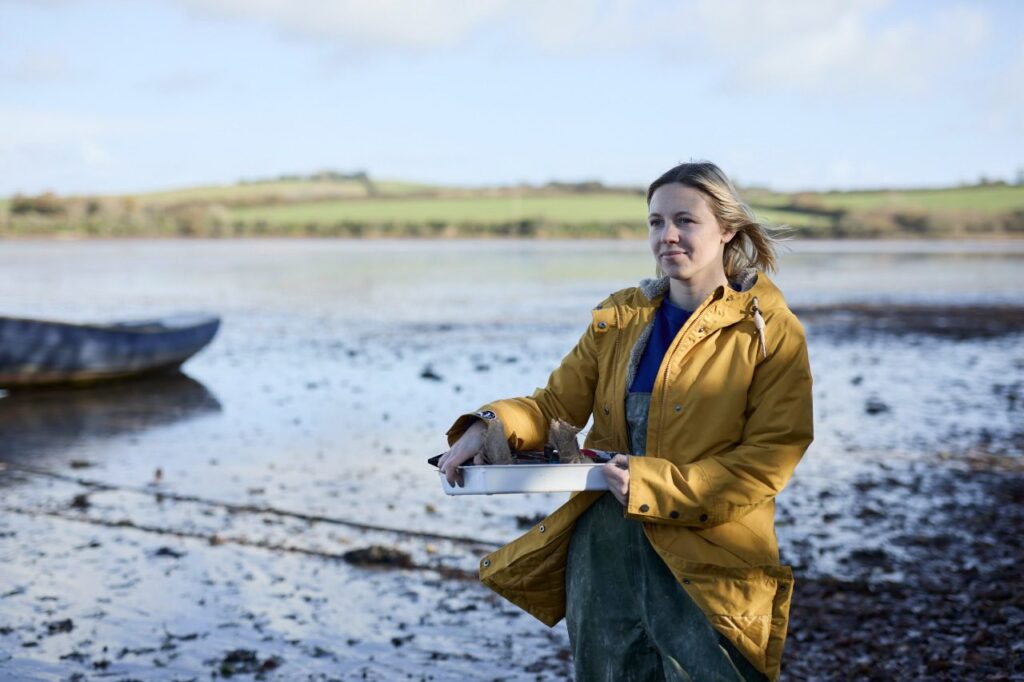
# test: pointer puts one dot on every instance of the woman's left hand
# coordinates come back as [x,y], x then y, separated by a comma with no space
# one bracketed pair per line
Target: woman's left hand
[616,472]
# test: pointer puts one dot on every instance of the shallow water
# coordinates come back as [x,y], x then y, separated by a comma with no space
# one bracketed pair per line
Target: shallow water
[311,400]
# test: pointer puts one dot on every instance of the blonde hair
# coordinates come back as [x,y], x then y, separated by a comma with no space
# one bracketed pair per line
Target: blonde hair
[754,244]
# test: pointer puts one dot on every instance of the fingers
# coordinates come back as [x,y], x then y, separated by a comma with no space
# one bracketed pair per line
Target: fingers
[468,446]
[616,472]
[451,463]
[450,469]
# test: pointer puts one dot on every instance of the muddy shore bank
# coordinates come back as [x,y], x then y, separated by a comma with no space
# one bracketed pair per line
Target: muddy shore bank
[956,612]
[213,532]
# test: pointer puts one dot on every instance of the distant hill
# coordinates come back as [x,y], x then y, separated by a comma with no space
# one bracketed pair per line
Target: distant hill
[355,205]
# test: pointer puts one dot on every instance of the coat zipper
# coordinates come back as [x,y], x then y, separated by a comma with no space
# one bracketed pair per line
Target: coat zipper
[667,361]
[621,409]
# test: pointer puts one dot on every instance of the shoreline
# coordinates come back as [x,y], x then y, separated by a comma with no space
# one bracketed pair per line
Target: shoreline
[569,235]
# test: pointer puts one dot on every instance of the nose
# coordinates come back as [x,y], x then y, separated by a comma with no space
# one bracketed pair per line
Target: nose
[670,235]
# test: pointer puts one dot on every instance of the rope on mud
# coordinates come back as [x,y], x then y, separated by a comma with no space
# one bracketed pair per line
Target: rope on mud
[252,508]
[214,539]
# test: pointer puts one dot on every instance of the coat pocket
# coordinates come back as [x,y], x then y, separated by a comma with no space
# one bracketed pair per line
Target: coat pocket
[749,605]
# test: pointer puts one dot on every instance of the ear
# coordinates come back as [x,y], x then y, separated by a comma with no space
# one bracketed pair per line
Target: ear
[727,235]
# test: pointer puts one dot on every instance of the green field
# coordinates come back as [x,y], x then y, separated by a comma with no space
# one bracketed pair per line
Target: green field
[283,191]
[988,199]
[569,208]
[362,207]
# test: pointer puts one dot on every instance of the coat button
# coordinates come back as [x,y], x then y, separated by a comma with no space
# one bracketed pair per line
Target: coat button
[487,562]
[686,581]
[677,407]
[644,509]
[674,515]
[602,325]
[606,411]
[542,528]
[703,517]
[701,330]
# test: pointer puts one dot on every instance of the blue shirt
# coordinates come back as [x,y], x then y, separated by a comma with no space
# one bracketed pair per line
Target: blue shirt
[668,321]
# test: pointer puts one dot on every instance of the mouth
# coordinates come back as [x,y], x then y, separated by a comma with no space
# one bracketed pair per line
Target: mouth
[671,254]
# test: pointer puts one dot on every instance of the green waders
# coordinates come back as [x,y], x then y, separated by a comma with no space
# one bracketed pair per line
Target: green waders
[628,618]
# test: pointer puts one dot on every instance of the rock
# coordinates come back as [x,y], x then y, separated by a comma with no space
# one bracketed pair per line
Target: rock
[379,555]
[524,521]
[246,662]
[168,552]
[429,374]
[59,626]
[875,406]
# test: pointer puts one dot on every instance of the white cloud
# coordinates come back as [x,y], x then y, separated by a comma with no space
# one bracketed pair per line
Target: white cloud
[37,66]
[94,154]
[818,47]
[181,81]
[30,127]
[830,47]
[427,24]
[44,149]
[1005,98]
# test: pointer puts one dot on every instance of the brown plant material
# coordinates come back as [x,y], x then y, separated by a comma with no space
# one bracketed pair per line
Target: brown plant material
[562,437]
[496,449]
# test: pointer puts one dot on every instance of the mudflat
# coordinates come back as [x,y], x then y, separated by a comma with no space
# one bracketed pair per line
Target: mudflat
[269,512]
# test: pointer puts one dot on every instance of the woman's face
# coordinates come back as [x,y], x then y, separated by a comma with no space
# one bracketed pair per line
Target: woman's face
[685,236]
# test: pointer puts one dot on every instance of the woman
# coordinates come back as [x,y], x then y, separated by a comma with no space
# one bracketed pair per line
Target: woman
[702,376]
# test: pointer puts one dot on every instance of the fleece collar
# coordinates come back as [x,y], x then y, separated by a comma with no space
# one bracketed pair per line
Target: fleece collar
[657,286]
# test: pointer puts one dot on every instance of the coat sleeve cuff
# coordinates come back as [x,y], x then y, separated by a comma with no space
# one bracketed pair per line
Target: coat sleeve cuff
[466,420]
[661,493]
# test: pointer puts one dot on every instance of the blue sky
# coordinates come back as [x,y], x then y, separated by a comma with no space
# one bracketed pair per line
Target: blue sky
[119,95]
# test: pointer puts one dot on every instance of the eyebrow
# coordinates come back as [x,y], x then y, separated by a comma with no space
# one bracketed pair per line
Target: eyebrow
[686,213]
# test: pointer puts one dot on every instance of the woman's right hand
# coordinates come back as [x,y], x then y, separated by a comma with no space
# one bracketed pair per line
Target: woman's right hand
[467,447]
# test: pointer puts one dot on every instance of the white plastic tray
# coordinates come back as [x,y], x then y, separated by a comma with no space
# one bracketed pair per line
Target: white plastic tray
[497,479]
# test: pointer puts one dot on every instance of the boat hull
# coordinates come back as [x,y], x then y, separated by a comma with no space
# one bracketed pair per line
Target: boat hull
[43,353]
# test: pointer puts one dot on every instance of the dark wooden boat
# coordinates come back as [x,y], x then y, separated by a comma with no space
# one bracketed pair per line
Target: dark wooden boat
[42,353]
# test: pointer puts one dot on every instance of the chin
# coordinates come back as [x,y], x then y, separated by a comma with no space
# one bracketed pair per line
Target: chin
[679,273]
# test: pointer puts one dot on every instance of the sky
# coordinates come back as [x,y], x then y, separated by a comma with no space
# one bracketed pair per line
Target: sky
[104,96]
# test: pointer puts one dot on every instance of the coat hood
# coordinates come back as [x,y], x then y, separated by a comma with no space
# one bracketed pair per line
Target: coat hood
[745,281]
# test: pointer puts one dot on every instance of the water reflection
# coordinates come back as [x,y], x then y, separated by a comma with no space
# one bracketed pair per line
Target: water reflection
[40,423]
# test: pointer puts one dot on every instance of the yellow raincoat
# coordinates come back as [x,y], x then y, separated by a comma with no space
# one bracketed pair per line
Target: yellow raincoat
[728,422]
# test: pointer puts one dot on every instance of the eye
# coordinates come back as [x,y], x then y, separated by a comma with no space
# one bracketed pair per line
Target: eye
[654,222]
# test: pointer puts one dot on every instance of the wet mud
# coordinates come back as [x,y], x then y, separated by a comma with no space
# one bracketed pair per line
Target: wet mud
[957,322]
[269,515]
[941,599]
